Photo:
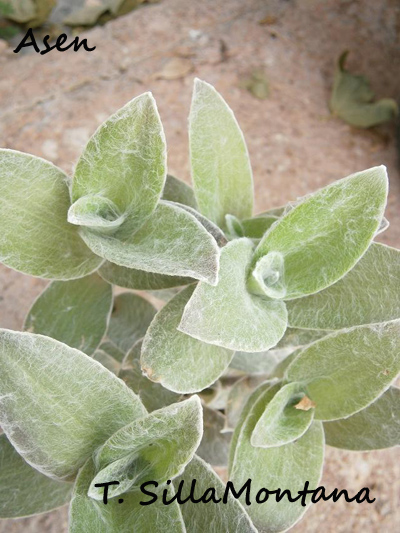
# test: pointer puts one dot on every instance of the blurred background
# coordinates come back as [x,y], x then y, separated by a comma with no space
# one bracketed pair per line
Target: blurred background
[275,62]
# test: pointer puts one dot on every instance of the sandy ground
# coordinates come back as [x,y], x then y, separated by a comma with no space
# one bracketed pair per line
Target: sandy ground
[49,106]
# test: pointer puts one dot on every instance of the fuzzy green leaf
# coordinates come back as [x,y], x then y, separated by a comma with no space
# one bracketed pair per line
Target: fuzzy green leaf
[214,446]
[57,405]
[113,365]
[35,236]
[352,99]
[23,490]
[373,428]
[282,422]
[156,447]
[221,170]
[130,318]
[317,242]
[73,312]
[91,516]
[282,467]
[228,315]
[176,360]
[368,294]
[238,396]
[121,173]
[199,518]
[347,370]
[153,395]
[140,280]
[256,227]
[171,242]
[178,191]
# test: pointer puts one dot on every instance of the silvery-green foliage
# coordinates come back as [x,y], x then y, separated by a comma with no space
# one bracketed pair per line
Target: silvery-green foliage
[286,324]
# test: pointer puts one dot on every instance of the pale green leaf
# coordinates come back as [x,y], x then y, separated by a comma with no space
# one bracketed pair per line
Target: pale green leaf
[352,99]
[256,227]
[216,396]
[171,242]
[107,361]
[23,490]
[368,294]
[238,396]
[218,518]
[214,446]
[318,241]
[295,338]
[178,191]
[112,350]
[91,516]
[131,278]
[373,428]
[153,395]
[121,173]
[156,447]
[73,312]
[282,422]
[130,318]
[256,363]
[347,370]
[228,315]
[57,405]
[245,410]
[35,236]
[220,163]
[176,360]
[283,467]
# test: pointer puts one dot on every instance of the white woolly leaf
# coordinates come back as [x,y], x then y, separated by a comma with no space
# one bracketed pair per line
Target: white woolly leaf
[157,447]
[121,173]
[23,490]
[57,405]
[283,467]
[282,421]
[214,446]
[170,242]
[220,164]
[318,241]
[87,515]
[228,315]
[347,370]
[238,396]
[178,191]
[74,312]
[368,294]
[35,236]
[176,360]
[373,428]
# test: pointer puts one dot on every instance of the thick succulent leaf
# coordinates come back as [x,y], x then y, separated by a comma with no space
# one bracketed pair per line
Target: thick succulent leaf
[131,278]
[74,312]
[176,360]
[121,173]
[35,237]
[130,318]
[238,396]
[91,516]
[352,99]
[57,405]
[214,446]
[373,428]
[245,411]
[368,294]
[153,395]
[198,518]
[212,228]
[322,238]
[23,490]
[282,421]
[347,370]
[228,315]
[256,227]
[178,191]
[256,363]
[282,467]
[172,242]
[220,163]
[157,447]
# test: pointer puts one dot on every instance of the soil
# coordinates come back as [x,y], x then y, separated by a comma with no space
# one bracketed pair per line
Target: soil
[50,105]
